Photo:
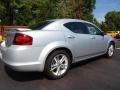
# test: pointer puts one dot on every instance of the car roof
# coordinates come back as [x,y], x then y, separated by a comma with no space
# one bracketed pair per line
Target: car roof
[69,20]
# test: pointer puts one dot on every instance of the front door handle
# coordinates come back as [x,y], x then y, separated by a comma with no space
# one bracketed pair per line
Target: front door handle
[92,37]
[70,36]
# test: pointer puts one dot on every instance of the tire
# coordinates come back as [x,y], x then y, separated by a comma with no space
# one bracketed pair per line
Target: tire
[57,64]
[110,50]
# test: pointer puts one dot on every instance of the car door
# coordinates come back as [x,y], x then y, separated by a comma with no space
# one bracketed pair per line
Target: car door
[98,40]
[79,39]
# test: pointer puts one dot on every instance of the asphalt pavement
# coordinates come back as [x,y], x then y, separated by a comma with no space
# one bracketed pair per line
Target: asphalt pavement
[94,74]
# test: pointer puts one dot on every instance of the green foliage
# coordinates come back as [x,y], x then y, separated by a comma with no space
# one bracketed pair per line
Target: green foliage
[78,9]
[31,12]
[2,8]
[112,20]
[104,27]
[3,11]
[88,7]
[96,22]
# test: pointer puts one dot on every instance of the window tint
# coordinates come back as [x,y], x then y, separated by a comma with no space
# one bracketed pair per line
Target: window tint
[93,30]
[41,25]
[77,27]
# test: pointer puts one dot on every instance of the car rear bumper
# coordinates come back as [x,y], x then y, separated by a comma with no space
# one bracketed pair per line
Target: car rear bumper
[24,67]
[23,58]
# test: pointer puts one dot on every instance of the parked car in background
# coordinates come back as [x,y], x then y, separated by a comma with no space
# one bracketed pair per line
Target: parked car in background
[112,33]
[118,35]
[4,28]
[53,45]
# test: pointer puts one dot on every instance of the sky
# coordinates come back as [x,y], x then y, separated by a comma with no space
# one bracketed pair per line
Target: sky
[104,6]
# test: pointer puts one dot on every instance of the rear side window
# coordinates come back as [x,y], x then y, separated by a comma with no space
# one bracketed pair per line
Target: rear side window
[76,27]
[41,25]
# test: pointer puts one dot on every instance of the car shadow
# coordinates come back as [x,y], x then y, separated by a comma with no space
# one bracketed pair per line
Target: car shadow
[23,76]
[29,76]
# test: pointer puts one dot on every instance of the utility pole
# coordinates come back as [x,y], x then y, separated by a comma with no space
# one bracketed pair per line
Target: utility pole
[11,14]
[8,14]
[14,12]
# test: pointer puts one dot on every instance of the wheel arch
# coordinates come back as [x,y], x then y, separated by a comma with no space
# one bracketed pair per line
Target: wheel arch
[47,50]
[112,42]
[62,48]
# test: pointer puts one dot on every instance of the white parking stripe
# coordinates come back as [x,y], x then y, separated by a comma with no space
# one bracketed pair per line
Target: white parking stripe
[117,48]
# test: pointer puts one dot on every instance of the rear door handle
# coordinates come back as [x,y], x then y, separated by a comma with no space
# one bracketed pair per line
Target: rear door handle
[70,36]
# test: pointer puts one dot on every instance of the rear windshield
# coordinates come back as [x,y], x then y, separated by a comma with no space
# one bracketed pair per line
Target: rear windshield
[41,25]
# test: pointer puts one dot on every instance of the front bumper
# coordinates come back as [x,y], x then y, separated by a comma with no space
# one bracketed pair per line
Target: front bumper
[22,58]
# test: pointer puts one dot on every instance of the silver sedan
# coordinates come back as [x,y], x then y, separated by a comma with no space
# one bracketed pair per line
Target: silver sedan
[53,45]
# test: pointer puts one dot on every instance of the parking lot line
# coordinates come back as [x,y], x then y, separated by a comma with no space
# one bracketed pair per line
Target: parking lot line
[118,48]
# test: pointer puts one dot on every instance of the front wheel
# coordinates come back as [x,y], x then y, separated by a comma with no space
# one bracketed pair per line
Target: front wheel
[57,64]
[110,51]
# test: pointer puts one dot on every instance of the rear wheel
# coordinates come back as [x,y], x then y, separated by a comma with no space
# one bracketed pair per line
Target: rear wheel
[57,64]
[110,51]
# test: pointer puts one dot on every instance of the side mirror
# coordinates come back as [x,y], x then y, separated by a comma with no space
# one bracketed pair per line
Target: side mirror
[102,33]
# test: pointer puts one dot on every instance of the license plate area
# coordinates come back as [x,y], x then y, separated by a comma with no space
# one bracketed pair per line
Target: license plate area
[9,39]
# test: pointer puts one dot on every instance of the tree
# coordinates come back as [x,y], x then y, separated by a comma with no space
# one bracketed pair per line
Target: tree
[26,12]
[2,8]
[104,27]
[78,9]
[3,11]
[8,11]
[112,20]
[89,6]
[96,22]
[31,12]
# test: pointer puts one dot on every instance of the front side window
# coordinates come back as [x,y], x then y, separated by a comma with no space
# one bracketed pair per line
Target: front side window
[76,27]
[92,29]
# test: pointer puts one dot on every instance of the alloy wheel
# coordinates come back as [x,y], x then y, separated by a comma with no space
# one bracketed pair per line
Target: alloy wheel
[59,64]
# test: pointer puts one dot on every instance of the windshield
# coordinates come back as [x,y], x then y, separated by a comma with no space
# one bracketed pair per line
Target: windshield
[41,25]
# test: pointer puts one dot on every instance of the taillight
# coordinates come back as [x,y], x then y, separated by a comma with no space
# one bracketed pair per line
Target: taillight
[22,39]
